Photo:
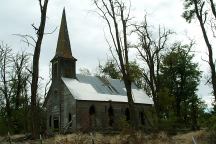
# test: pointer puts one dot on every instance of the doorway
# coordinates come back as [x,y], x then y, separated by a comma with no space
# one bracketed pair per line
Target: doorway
[56,123]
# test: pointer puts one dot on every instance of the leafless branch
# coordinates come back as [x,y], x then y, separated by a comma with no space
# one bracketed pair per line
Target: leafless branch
[26,39]
[51,31]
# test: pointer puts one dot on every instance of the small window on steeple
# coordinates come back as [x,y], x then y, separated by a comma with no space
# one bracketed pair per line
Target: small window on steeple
[67,72]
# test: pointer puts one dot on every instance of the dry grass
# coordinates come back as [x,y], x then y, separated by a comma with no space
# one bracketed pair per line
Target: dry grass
[187,138]
[135,138]
[131,138]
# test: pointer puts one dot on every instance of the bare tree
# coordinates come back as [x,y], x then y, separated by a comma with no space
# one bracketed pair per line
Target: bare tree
[20,63]
[35,72]
[13,77]
[117,17]
[5,80]
[1,52]
[36,43]
[199,10]
[84,71]
[150,50]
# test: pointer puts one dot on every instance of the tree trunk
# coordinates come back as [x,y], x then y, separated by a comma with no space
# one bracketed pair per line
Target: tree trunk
[210,52]
[132,108]
[18,91]
[35,72]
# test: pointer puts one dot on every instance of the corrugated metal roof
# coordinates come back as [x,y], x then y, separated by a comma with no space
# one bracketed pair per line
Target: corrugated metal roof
[101,89]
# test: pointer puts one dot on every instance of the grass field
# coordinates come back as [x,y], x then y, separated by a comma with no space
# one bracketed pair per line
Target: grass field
[97,138]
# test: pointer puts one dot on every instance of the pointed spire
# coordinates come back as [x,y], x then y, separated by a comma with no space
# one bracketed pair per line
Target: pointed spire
[63,46]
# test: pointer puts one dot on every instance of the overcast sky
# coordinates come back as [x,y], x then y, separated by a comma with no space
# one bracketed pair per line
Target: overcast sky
[86,30]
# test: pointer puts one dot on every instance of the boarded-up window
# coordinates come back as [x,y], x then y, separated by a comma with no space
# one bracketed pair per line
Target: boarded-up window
[67,71]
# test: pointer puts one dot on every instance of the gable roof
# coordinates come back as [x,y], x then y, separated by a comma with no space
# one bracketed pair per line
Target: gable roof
[93,88]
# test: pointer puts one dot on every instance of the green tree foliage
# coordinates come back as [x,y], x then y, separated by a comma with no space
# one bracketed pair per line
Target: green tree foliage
[180,77]
[110,68]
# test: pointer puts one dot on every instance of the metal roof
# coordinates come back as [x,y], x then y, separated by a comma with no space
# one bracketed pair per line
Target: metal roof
[96,88]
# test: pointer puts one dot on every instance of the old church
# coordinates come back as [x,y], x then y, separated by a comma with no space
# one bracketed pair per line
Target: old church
[80,102]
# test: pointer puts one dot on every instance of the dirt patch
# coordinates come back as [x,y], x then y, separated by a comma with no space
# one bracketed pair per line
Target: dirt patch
[186,138]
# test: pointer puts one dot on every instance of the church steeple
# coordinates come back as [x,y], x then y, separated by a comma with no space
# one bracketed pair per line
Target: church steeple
[63,63]
[63,46]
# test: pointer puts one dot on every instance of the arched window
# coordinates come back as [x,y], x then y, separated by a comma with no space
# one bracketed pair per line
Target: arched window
[92,110]
[92,120]
[69,119]
[50,121]
[111,115]
[127,114]
[142,118]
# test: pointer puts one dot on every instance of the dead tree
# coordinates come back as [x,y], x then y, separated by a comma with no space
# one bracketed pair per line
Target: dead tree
[150,50]
[35,68]
[13,76]
[117,17]
[198,9]
[5,80]
[20,64]
[35,71]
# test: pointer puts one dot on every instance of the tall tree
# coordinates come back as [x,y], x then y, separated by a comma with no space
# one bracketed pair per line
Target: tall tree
[6,77]
[117,17]
[181,77]
[150,49]
[35,72]
[21,76]
[199,9]
[13,77]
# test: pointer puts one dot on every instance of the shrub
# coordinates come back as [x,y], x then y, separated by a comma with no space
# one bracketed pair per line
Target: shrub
[123,125]
[3,127]
[212,129]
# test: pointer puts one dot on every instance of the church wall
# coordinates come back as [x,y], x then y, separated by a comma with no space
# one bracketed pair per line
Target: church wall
[69,113]
[102,118]
[53,108]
